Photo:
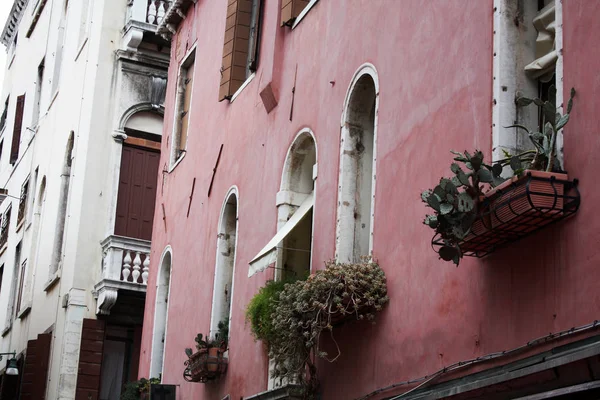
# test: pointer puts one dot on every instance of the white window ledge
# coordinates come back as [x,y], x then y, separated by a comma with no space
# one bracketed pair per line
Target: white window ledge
[246,83]
[52,281]
[308,7]
[178,161]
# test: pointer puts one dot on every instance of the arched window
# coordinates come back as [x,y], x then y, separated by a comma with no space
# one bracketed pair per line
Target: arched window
[356,191]
[63,199]
[225,263]
[291,248]
[161,308]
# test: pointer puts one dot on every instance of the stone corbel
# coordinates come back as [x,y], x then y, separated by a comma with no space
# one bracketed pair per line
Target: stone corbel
[133,38]
[107,297]
[119,136]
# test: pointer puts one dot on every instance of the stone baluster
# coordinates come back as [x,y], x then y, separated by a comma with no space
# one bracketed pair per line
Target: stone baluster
[146,269]
[162,10]
[152,12]
[137,261]
[127,266]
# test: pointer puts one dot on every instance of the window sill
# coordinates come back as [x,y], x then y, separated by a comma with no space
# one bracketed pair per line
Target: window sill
[3,248]
[246,83]
[12,59]
[178,161]
[300,17]
[53,99]
[52,281]
[7,329]
[80,50]
[24,311]
[20,224]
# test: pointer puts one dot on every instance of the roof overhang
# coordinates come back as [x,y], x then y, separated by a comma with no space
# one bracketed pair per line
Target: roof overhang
[173,17]
[12,22]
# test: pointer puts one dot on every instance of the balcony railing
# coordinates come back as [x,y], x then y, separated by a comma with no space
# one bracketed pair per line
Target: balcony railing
[148,11]
[125,266]
[156,11]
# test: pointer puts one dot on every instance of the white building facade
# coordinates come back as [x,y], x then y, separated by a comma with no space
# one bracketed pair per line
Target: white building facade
[80,139]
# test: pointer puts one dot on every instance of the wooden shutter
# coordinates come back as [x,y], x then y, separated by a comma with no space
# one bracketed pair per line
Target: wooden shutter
[137,192]
[16,139]
[235,49]
[90,360]
[290,9]
[35,371]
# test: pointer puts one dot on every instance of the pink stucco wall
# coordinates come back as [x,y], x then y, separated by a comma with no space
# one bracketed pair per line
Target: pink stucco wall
[435,73]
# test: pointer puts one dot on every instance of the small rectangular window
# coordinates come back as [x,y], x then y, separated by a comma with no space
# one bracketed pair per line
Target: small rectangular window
[4,228]
[38,93]
[23,202]
[241,44]
[22,276]
[1,276]
[185,86]
[4,114]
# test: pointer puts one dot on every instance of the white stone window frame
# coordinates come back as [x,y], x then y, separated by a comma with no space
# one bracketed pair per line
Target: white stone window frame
[214,320]
[342,234]
[286,200]
[174,158]
[156,370]
[509,77]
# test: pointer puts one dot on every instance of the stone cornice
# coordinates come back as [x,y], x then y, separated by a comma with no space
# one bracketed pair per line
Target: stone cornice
[12,22]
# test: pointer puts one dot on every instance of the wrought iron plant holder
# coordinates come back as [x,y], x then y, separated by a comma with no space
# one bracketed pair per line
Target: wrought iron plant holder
[205,365]
[515,210]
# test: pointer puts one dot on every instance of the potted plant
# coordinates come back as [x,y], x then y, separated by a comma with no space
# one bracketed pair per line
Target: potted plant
[209,361]
[290,317]
[138,390]
[478,200]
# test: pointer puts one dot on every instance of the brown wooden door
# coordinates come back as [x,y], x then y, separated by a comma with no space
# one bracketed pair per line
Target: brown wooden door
[35,371]
[137,192]
[90,360]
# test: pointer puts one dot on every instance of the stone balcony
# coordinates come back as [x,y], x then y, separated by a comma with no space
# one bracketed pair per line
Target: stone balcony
[142,16]
[125,266]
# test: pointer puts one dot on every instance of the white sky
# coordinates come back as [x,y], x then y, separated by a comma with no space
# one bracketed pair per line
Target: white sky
[5,6]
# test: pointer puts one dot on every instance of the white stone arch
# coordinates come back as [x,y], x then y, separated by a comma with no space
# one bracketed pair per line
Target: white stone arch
[140,107]
[161,312]
[298,181]
[227,239]
[357,174]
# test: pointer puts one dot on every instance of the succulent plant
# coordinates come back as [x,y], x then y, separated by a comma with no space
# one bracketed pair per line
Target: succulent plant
[543,158]
[455,201]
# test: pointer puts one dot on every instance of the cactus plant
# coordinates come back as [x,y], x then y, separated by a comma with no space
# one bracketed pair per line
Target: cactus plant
[543,158]
[455,201]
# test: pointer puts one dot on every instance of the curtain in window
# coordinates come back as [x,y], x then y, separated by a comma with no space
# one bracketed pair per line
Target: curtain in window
[544,65]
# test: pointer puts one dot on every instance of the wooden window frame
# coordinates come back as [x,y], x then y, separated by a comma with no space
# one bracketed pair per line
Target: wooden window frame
[241,45]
